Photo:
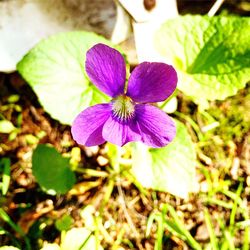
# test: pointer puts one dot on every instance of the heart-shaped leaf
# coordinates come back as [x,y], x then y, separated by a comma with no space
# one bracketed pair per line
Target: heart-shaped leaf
[55,69]
[211,54]
[169,169]
[51,170]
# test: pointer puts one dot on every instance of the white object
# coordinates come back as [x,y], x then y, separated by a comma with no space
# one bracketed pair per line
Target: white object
[23,23]
[146,24]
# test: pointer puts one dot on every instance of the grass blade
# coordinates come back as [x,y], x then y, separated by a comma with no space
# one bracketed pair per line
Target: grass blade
[15,227]
[211,231]
[181,228]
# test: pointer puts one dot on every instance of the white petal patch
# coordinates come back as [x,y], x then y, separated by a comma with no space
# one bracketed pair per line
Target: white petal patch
[123,108]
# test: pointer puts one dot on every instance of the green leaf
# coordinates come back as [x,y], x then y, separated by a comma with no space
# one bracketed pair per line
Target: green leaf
[31,139]
[51,170]
[169,169]
[13,98]
[5,168]
[64,223]
[211,54]
[79,239]
[6,126]
[55,69]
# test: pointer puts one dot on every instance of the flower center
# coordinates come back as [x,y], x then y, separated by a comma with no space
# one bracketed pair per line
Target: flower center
[123,107]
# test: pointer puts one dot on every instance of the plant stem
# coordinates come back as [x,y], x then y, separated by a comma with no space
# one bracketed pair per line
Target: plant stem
[118,160]
[19,230]
[215,7]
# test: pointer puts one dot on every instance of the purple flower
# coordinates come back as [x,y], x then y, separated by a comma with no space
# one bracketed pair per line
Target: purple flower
[127,117]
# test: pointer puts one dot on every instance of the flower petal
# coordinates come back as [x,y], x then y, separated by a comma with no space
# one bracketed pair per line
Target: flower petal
[87,127]
[156,127]
[106,68]
[152,82]
[120,133]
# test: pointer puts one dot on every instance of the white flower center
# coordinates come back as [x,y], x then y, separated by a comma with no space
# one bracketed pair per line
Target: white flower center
[123,107]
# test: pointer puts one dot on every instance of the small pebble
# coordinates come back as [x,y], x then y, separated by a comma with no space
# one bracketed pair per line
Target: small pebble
[102,161]
[91,151]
